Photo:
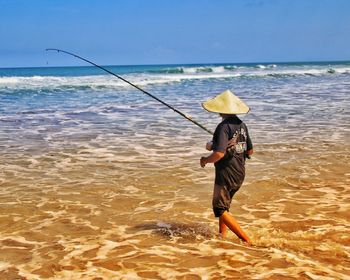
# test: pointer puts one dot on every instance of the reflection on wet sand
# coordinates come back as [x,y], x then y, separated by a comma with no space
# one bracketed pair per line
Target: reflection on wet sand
[90,221]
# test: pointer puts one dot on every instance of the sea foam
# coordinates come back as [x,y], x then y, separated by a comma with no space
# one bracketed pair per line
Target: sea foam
[172,75]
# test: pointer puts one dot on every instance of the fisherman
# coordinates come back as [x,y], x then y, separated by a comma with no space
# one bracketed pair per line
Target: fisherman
[230,147]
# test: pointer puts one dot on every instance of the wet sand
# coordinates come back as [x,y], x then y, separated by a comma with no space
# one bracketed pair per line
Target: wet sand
[99,214]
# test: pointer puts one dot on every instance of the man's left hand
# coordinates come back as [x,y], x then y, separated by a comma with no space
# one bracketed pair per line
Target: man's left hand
[203,161]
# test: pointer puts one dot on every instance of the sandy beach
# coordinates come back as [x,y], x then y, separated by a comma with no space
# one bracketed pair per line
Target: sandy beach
[99,182]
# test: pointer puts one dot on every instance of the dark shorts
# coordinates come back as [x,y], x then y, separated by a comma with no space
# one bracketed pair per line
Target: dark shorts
[222,198]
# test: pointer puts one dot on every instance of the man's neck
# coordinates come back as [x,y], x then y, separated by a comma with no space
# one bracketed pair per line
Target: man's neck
[226,116]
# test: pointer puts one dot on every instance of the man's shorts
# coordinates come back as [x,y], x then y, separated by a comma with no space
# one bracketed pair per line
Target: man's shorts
[222,198]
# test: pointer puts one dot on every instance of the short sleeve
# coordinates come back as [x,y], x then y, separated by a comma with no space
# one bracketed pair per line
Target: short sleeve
[220,138]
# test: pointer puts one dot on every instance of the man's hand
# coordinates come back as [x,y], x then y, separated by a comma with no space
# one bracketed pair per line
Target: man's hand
[203,161]
[209,146]
[212,158]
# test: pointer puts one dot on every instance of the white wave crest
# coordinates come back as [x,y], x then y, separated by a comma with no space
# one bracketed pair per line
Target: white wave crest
[103,82]
[219,69]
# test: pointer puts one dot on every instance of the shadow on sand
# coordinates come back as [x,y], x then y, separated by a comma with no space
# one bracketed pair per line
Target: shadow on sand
[185,231]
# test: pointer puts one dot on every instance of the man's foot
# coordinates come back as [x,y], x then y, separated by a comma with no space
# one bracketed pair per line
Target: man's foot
[248,242]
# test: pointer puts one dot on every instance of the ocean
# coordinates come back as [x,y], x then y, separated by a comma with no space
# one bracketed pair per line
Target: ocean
[99,181]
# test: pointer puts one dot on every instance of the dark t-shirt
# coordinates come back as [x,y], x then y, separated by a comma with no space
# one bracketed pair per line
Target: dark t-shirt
[231,137]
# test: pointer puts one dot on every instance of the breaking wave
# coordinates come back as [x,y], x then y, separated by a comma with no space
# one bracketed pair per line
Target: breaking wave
[162,76]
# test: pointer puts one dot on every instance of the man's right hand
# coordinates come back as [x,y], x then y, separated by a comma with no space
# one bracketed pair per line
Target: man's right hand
[209,145]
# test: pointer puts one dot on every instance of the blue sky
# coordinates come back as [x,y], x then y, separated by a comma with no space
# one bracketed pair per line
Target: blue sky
[177,31]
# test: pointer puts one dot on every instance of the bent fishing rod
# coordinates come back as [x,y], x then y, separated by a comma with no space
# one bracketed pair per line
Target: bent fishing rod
[135,86]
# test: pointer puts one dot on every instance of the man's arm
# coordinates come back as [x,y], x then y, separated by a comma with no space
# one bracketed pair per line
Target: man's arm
[212,158]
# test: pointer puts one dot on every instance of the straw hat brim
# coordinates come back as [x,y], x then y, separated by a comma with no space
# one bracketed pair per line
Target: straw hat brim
[226,103]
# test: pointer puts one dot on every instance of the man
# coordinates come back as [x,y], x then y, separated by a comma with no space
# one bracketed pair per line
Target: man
[230,146]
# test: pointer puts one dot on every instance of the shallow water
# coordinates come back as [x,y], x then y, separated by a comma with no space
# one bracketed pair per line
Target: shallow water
[99,182]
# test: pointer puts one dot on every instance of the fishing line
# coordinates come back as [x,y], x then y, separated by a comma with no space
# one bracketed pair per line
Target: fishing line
[135,86]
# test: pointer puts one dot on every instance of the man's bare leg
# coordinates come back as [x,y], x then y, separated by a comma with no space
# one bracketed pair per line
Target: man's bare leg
[231,223]
[222,227]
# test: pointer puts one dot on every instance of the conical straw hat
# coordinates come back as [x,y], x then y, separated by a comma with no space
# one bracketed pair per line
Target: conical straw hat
[226,103]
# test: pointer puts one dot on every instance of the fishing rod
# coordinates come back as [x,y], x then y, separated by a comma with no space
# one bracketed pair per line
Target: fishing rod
[135,86]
